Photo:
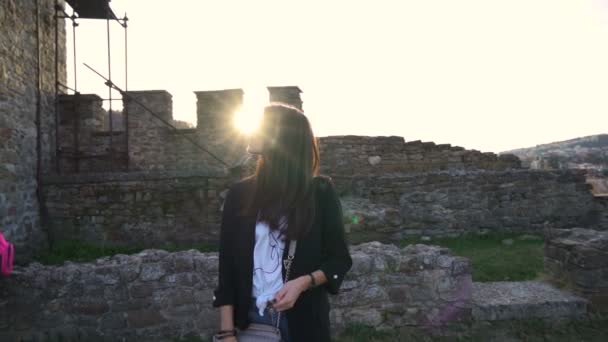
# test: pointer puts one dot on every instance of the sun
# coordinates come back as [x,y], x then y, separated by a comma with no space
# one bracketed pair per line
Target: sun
[247,119]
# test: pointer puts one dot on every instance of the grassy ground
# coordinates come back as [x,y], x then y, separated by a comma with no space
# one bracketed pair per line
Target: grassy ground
[591,329]
[81,252]
[587,330]
[492,259]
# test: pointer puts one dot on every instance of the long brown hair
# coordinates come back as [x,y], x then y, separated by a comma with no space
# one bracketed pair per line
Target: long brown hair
[285,170]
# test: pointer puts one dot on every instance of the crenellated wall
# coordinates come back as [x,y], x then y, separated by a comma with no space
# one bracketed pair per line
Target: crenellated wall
[84,143]
[153,145]
[148,143]
[411,188]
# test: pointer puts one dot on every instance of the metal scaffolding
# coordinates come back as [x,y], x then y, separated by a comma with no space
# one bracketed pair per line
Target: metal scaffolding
[100,9]
[88,9]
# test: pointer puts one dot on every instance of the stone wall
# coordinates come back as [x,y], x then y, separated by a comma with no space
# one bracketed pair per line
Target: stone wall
[21,133]
[361,155]
[154,146]
[390,207]
[147,209]
[602,202]
[84,144]
[147,142]
[160,296]
[578,259]
[152,207]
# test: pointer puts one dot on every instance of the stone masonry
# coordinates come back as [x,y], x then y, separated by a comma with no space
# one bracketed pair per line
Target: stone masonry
[419,188]
[154,146]
[577,258]
[85,144]
[351,155]
[450,203]
[159,296]
[23,88]
[152,208]
[146,209]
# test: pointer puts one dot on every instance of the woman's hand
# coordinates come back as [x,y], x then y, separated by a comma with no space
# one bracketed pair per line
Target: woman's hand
[289,293]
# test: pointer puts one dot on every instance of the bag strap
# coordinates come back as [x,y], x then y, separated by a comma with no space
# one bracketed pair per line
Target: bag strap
[287,263]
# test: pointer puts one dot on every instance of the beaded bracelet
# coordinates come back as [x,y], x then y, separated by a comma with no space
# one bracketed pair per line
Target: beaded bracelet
[314,283]
[222,334]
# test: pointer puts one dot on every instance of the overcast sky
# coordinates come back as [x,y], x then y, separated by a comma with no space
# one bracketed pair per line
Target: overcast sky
[482,74]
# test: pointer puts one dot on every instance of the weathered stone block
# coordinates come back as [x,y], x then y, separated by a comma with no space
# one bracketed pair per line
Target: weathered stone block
[144,318]
[578,257]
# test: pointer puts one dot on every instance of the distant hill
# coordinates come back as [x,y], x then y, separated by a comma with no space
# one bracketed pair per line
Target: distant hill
[590,153]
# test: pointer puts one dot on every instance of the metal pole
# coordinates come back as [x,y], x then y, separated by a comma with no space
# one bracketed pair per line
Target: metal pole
[57,153]
[125,107]
[110,97]
[74,24]
[123,93]
[125,19]
[76,133]
[38,97]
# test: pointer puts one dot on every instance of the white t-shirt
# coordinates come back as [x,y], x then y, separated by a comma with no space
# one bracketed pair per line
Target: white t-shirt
[267,262]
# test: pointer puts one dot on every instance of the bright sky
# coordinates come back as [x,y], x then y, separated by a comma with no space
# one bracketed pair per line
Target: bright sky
[482,74]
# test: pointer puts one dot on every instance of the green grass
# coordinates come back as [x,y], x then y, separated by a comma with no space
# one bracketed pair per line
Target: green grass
[594,328]
[77,251]
[492,260]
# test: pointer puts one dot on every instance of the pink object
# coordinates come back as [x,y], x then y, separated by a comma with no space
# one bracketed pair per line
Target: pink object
[7,255]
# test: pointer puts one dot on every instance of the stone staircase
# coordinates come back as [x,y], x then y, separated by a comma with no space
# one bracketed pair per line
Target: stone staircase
[496,301]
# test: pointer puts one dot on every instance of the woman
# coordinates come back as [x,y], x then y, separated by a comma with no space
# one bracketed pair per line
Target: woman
[284,200]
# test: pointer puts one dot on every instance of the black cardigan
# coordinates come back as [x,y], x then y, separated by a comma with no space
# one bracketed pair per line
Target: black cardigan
[324,248]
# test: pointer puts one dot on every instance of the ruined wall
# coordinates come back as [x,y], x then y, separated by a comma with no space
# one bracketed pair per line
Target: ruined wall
[578,259]
[161,296]
[19,84]
[151,143]
[154,146]
[390,207]
[182,207]
[146,209]
[84,143]
[393,189]
[361,155]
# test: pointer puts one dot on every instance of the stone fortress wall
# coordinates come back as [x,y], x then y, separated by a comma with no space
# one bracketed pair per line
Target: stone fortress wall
[449,203]
[27,108]
[394,188]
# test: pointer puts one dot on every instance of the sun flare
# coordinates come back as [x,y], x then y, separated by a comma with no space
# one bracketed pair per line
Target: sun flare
[247,120]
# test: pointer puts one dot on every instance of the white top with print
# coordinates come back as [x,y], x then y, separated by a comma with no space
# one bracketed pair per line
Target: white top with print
[267,259]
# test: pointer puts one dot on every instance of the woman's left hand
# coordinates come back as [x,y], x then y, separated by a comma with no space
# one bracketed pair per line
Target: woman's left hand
[289,293]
